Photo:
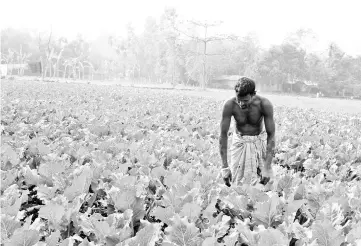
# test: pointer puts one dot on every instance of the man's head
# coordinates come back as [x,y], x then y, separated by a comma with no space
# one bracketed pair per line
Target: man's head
[245,90]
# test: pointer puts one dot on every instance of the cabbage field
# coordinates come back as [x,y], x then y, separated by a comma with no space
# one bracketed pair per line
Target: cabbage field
[86,164]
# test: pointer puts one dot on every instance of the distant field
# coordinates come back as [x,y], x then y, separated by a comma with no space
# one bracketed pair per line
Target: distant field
[324,104]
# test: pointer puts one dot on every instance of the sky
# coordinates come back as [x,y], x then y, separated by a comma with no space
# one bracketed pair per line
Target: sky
[270,20]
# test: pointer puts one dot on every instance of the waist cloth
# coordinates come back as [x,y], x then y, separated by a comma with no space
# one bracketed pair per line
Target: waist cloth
[248,155]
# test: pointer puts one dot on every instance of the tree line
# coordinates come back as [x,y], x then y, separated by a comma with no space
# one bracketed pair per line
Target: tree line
[180,51]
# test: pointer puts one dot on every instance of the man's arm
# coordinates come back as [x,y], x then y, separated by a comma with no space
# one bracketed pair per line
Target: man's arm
[270,129]
[223,139]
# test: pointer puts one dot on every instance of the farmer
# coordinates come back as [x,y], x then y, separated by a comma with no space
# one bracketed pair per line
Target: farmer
[252,146]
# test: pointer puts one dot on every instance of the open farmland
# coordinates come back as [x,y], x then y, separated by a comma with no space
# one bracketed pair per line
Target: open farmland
[332,105]
[324,104]
[111,165]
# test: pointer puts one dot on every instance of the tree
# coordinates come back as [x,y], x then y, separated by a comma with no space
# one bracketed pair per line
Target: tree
[130,50]
[16,39]
[17,46]
[22,58]
[133,49]
[269,70]
[46,49]
[303,39]
[240,56]
[8,58]
[150,40]
[282,63]
[58,52]
[355,69]
[176,51]
[205,41]
[101,50]
[293,61]
[316,70]
[171,60]
[76,56]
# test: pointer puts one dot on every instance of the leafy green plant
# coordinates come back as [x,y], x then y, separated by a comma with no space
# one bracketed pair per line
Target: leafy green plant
[92,165]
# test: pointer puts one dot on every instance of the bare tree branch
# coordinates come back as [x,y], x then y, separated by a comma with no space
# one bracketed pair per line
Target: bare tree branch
[208,54]
[205,24]
[189,36]
[51,33]
[205,40]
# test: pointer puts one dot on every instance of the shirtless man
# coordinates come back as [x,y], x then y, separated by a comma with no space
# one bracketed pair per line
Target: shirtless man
[251,150]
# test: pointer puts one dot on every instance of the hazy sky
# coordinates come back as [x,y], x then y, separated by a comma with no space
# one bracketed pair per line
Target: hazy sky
[270,20]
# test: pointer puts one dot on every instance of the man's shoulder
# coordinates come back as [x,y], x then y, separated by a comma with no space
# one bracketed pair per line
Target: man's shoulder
[264,100]
[266,104]
[228,105]
[229,102]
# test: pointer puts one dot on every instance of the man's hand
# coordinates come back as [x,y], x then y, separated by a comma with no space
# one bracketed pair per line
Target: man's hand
[267,175]
[223,140]
[227,176]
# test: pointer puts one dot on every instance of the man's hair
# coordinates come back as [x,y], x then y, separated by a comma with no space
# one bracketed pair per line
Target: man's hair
[245,86]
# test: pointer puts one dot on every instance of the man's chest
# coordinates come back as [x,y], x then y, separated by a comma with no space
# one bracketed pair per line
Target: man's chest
[251,116]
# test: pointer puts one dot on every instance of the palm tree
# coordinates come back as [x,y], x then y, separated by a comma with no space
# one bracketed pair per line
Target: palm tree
[22,58]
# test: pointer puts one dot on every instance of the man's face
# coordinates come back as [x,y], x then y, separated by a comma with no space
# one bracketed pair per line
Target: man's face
[244,101]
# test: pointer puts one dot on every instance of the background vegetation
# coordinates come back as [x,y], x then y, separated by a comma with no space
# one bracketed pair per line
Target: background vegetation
[172,50]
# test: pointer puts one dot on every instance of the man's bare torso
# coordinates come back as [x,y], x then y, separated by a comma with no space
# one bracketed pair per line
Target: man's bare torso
[248,121]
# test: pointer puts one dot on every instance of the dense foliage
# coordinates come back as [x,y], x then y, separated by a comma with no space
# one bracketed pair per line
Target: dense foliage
[98,165]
